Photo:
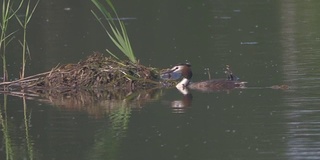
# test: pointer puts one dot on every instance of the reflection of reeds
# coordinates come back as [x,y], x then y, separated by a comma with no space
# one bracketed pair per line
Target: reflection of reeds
[13,142]
[5,129]
[118,33]
[26,125]
[108,141]
[120,119]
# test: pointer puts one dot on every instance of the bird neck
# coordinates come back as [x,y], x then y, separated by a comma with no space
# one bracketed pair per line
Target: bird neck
[182,86]
[183,83]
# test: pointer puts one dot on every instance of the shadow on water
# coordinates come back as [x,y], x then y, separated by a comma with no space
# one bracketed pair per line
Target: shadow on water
[96,103]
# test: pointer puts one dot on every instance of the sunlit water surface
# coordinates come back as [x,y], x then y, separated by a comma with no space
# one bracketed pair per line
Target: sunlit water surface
[265,42]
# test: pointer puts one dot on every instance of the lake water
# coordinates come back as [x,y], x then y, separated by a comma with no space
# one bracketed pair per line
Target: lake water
[265,42]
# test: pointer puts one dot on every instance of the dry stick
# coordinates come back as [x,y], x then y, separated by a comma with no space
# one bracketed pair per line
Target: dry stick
[24,79]
[53,69]
[24,95]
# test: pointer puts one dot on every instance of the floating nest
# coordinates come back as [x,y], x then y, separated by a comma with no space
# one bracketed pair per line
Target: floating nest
[96,72]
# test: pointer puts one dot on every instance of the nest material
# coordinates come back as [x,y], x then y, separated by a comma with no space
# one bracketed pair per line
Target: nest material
[96,71]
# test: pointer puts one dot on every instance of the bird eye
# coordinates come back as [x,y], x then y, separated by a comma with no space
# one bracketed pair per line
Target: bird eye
[174,68]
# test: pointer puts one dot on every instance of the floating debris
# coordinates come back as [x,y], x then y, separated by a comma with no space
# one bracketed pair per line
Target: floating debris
[281,87]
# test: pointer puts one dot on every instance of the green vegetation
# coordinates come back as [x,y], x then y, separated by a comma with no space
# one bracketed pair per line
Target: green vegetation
[24,23]
[5,38]
[118,33]
[10,10]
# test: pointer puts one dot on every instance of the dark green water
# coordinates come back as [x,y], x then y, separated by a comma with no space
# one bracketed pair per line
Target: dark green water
[266,43]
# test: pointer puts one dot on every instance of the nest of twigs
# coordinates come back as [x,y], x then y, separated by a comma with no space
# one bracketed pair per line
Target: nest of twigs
[97,71]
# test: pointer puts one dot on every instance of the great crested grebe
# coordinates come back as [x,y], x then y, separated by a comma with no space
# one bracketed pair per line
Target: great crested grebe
[230,82]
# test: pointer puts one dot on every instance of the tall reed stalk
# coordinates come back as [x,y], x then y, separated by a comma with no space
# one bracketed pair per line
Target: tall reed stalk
[8,12]
[6,15]
[24,23]
[118,33]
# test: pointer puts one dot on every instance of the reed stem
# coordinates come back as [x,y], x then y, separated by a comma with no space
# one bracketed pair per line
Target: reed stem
[5,37]
[24,23]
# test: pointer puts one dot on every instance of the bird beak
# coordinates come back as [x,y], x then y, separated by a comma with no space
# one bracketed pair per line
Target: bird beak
[171,74]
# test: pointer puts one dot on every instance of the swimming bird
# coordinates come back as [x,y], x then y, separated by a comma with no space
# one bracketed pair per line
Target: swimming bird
[229,83]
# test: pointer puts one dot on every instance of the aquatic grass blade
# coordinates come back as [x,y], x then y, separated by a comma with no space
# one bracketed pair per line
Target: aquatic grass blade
[119,40]
[112,54]
[7,13]
[24,23]
[126,40]
[119,36]
[33,10]
[123,39]
[102,9]
[8,36]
